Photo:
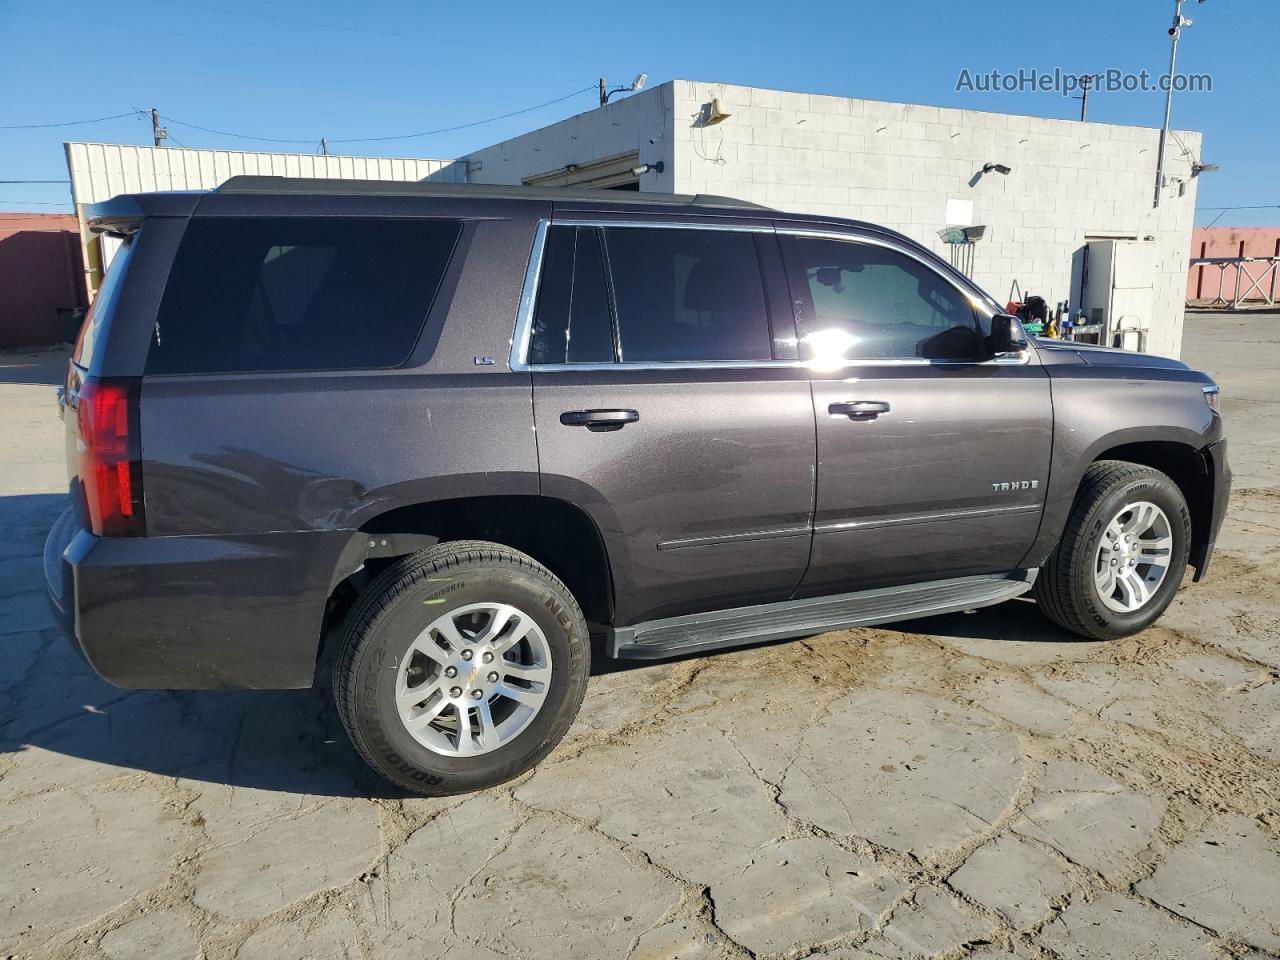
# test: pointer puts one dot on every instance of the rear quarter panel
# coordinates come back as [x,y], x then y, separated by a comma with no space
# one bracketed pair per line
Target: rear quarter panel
[329,450]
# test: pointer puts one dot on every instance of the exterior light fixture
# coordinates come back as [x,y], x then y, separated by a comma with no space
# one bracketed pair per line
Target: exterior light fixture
[997,167]
[644,168]
[1199,168]
[636,84]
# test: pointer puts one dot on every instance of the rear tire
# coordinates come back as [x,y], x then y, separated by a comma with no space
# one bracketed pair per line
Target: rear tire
[1111,574]
[461,667]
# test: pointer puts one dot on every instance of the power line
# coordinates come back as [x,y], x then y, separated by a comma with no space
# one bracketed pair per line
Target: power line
[67,123]
[35,181]
[399,136]
[308,140]
[1259,206]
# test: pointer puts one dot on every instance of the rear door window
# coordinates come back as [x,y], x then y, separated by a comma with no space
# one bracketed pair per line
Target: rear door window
[263,294]
[687,295]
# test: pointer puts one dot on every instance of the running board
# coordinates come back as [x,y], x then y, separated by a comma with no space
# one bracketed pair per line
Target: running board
[674,636]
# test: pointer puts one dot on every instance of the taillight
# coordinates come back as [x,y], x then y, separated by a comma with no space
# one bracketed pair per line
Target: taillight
[111,457]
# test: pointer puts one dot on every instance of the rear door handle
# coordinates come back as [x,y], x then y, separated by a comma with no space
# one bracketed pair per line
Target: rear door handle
[858,409]
[598,420]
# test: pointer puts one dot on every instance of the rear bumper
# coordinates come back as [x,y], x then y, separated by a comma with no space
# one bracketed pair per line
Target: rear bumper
[193,612]
[1216,458]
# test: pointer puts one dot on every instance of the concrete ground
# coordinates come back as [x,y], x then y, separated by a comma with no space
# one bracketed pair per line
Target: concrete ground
[972,785]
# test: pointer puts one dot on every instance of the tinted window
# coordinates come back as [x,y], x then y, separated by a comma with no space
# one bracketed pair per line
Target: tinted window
[98,319]
[295,294]
[572,323]
[687,294]
[863,301]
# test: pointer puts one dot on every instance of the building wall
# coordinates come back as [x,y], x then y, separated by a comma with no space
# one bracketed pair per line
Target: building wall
[1202,281]
[39,273]
[899,165]
[100,171]
[639,124]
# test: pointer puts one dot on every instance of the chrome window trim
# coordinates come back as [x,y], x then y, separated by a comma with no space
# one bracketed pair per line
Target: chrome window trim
[528,300]
[523,333]
[666,225]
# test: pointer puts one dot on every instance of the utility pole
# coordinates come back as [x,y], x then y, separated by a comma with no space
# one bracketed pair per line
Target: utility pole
[604,97]
[158,132]
[1179,21]
[324,147]
[1086,80]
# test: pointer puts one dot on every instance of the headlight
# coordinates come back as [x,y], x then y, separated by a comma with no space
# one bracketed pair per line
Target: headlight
[1213,397]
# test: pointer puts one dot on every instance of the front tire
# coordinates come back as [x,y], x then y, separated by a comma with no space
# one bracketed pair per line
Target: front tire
[461,667]
[1122,555]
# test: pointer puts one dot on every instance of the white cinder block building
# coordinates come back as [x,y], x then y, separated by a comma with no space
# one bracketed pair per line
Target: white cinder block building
[917,169]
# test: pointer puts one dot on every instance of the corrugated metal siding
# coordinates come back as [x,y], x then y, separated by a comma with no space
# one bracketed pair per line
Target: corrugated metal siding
[100,171]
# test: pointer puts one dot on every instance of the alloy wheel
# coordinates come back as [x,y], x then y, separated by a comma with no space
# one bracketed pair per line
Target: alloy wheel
[1134,556]
[473,679]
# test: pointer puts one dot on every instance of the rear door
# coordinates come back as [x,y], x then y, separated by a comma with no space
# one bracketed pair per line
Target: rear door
[666,407]
[933,458]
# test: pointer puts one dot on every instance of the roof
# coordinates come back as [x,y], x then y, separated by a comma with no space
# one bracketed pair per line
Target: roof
[396,188]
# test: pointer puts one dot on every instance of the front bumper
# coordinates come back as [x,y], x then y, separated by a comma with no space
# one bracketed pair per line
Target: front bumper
[1220,474]
[193,612]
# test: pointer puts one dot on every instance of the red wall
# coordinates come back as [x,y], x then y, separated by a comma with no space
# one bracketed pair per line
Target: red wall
[40,271]
[1202,283]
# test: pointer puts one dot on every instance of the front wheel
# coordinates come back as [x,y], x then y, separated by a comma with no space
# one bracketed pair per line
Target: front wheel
[461,667]
[1122,555]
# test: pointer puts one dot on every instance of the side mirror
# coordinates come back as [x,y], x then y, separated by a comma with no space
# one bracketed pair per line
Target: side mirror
[1007,335]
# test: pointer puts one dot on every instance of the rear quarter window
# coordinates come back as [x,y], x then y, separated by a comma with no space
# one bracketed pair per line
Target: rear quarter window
[268,294]
[97,321]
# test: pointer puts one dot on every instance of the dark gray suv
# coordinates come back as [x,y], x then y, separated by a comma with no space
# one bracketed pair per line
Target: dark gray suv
[463,429]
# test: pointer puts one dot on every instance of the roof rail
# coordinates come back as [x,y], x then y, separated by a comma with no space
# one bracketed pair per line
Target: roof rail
[427,188]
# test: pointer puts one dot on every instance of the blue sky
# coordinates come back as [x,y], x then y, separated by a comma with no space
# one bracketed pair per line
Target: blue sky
[293,69]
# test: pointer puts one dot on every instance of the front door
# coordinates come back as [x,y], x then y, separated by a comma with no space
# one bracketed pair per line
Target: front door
[933,457]
[661,411]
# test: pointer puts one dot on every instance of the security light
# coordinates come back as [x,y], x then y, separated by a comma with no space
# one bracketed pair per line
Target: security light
[1199,168]
[644,168]
[997,167]
[636,84]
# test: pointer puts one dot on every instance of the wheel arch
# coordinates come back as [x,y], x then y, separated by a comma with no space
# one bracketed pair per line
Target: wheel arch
[1179,452]
[558,534]
[1188,467]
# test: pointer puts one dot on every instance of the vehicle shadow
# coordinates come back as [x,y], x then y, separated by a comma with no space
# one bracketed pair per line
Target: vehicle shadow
[66,725]
[1014,621]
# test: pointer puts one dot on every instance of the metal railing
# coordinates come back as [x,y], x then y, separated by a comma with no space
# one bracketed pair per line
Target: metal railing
[1251,275]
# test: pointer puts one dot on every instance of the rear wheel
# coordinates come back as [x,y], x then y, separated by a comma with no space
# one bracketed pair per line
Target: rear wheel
[461,667]
[1122,555]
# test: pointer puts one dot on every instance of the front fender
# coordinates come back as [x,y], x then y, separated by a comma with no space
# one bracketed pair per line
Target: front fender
[1099,409]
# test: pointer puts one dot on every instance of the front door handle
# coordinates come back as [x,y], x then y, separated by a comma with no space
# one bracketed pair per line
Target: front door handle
[858,409]
[598,420]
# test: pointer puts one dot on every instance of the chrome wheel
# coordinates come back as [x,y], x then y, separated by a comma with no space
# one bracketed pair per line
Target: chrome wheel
[1134,557]
[473,679]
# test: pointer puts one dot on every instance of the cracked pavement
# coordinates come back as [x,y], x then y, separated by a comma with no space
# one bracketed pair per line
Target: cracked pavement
[972,785]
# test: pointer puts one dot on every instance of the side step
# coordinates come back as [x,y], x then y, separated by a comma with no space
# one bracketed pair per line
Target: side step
[674,636]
